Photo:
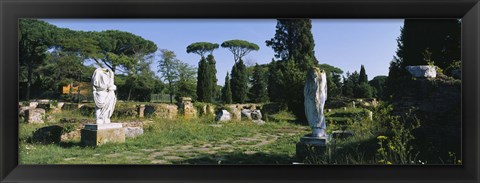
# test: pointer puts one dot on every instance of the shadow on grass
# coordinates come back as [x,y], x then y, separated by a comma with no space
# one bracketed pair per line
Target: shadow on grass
[239,158]
[70,144]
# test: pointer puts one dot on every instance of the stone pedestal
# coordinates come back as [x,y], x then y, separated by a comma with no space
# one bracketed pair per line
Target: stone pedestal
[98,134]
[310,146]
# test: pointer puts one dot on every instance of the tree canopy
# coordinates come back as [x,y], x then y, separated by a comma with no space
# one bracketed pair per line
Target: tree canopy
[239,48]
[201,48]
[293,41]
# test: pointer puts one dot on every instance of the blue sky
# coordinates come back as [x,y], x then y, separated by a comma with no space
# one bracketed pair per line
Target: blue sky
[343,43]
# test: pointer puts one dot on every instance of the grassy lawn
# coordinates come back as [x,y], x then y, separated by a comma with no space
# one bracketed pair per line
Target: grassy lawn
[204,141]
[196,141]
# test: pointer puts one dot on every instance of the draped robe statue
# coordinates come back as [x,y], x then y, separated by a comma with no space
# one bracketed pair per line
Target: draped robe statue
[103,94]
[315,93]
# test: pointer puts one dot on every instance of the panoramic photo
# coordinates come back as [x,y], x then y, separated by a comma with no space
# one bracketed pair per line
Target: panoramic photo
[240,91]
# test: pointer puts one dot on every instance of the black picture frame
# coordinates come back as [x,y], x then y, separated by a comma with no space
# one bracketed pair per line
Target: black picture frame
[12,10]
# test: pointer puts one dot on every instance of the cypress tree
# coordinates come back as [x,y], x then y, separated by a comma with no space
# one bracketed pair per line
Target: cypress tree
[227,91]
[258,92]
[293,43]
[212,76]
[203,94]
[363,78]
[239,82]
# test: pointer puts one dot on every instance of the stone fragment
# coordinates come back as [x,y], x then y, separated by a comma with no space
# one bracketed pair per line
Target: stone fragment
[246,114]
[422,71]
[141,110]
[223,115]
[186,108]
[169,111]
[36,115]
[256,115]
[131,132]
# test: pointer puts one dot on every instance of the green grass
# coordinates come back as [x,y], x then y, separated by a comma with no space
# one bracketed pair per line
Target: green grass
[204,141]
[162,134]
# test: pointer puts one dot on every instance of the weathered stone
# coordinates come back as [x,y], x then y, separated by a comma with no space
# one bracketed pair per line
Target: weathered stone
[370,115]
[422,71]
[33,105]
[21,111]
[169,111]
[246,114]
[256,115]
[258,121]
[223,115]
[48,134]
[131,132]
[141,110]
[186,108]
[339,134]
[36,115]
[210,109]
[43,101]
[99,134]
[310,146]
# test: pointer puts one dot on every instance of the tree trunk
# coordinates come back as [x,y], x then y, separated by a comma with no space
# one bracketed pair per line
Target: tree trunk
[129,93]
[29,81]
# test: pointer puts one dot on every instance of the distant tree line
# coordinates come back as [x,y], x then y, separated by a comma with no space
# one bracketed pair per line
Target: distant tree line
[51,57]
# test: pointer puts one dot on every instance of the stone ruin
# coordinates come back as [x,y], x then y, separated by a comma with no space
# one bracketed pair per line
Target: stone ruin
[250,112]
[186,108]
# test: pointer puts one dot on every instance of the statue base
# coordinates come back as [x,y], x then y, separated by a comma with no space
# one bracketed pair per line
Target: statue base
[310,146]
[99,134]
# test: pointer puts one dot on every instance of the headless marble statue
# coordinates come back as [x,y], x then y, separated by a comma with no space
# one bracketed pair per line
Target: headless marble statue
[315,93]
[103,94]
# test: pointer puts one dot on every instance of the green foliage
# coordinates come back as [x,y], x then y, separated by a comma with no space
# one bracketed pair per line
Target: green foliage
[421,42]
[119,50]
[258,91]
[227,91]
[201,48]
[187,81]
[363,90]
[179,76]
[293,40]
[239,48]
[362,78]
[293,43]
[239,82]
[35,38]
[378,83]
[398,148]
[203,88]
[356,85]
[290,79]
[211,77]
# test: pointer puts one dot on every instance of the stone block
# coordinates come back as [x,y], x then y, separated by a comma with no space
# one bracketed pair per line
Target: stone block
[223,115]
[36,115]
[132,132]
[141,110]
[422,71]
[169,111]
[310,147]
[96,135]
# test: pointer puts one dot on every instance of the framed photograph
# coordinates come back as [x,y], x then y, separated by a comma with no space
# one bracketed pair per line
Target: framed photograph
[155,91]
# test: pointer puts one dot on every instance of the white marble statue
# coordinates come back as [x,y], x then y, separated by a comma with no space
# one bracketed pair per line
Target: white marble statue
[103,94]
[315,93]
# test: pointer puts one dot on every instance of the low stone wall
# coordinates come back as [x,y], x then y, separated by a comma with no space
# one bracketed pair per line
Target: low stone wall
[205,109]
[169,111]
